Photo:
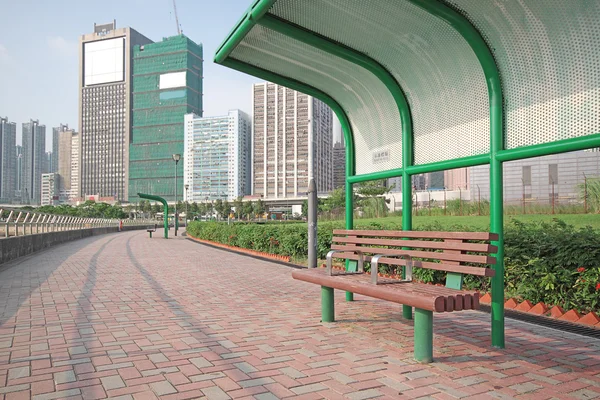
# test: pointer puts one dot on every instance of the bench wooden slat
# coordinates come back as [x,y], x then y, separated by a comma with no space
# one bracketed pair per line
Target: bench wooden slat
[478,247]
[461,269]
[472,258]
[419,295]
[487,236]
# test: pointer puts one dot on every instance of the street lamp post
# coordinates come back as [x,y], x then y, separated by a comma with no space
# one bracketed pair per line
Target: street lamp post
[186,204]
[176,158]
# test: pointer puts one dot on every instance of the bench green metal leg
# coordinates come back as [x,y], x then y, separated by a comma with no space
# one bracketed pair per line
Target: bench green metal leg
[327,306]
[407,312]
[351,266]
[150,235]
[423,336]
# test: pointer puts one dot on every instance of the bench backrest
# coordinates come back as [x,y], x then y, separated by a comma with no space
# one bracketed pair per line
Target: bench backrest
[442,251]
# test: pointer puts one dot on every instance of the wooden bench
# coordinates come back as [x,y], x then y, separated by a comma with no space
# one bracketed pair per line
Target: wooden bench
[456,253]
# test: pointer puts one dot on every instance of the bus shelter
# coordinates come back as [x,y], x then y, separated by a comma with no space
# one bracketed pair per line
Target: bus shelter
[428,85]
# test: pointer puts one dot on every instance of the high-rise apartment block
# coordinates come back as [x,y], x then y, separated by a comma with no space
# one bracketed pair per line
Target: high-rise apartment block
[167,85]
[217,157]
[68,143]
[34,158]
[75,162]
[55,145]
[291,141]
[105,75]
[339,165]
[49,187]
[8,160]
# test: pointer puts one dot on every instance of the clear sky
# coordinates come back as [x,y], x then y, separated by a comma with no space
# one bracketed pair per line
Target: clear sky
[39,56]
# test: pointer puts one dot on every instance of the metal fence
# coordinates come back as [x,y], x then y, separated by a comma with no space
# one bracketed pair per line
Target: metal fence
[15,222]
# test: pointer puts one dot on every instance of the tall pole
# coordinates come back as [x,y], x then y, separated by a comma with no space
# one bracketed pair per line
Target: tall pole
[175,215]
[312,224]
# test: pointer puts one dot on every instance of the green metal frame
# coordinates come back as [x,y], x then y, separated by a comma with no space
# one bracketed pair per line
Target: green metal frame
[258,14]
[165,209]
[315,40]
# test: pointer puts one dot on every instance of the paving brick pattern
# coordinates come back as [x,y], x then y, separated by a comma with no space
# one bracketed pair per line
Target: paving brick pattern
[128,317]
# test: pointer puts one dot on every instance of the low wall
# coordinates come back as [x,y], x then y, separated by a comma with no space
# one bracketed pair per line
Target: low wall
[19,246]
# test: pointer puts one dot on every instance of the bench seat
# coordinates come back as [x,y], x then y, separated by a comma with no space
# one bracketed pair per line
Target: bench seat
[414,294]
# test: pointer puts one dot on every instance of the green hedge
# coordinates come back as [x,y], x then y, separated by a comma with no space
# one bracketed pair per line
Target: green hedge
[554,263]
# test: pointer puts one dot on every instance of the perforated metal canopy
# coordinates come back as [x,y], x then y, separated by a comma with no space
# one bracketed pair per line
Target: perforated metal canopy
[435,84]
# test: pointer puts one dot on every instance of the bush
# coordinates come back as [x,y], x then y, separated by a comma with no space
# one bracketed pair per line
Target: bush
[549,262]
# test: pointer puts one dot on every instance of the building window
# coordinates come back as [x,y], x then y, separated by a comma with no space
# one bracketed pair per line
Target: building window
[552,174]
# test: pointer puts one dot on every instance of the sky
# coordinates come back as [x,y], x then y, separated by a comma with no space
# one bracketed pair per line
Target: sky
[39,56]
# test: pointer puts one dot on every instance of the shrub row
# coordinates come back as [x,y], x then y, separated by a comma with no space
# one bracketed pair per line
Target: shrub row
[554,263]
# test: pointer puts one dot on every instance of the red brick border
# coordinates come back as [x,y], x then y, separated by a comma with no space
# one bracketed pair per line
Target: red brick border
[242,250]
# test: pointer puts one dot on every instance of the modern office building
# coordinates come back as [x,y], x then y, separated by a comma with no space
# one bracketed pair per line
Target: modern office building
[55,145]
[49,189]
[105,75]
[47,167]
[19,175]
[291,141]
[34,158]
[75,162]
[68,141]
[167,85]
[339,165]
[217,157]
[8,160]
[537,180]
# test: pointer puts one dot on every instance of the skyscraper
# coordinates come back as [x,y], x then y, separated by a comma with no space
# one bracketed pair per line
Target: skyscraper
[66,140]
[8,159]
[167,85]
[217,156]
[75,162]
[34,156]
[292,140]
[105,108]
[55,145]
[339,165]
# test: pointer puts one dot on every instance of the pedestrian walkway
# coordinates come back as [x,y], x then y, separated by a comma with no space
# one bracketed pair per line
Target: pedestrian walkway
[125,316]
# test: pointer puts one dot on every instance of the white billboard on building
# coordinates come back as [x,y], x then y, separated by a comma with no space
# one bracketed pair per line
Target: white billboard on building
[104,61]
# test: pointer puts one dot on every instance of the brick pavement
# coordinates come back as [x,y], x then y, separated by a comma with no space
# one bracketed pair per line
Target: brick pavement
[125,316]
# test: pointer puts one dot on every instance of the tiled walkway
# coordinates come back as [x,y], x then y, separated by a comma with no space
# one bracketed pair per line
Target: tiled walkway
[125,316]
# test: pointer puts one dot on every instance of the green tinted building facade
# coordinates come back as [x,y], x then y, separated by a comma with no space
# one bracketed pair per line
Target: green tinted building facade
[167,84]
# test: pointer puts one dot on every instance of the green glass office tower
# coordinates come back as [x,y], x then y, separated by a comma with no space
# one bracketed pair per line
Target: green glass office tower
[167,84]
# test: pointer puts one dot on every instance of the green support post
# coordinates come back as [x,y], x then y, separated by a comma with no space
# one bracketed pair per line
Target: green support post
[327,305]
[313,39]
[165,209]
[406,212]
[492,76]
[423,336]
[334,105]
[150,234]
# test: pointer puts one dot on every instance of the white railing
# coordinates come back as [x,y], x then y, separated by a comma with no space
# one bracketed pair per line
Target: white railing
[14,222]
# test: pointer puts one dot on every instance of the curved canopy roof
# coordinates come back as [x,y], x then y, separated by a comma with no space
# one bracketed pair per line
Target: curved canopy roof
[445,78]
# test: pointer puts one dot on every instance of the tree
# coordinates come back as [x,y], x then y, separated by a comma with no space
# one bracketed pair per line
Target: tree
[194,207]
[375,191]
[219,207]
[259,208]
[247,209]
[226,208]
[238,204]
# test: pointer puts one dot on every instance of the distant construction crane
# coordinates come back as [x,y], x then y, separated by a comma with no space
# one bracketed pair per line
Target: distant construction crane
[176,19]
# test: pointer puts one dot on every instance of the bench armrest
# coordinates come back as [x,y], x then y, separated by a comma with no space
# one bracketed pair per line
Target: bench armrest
[375,266]
[361,260]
